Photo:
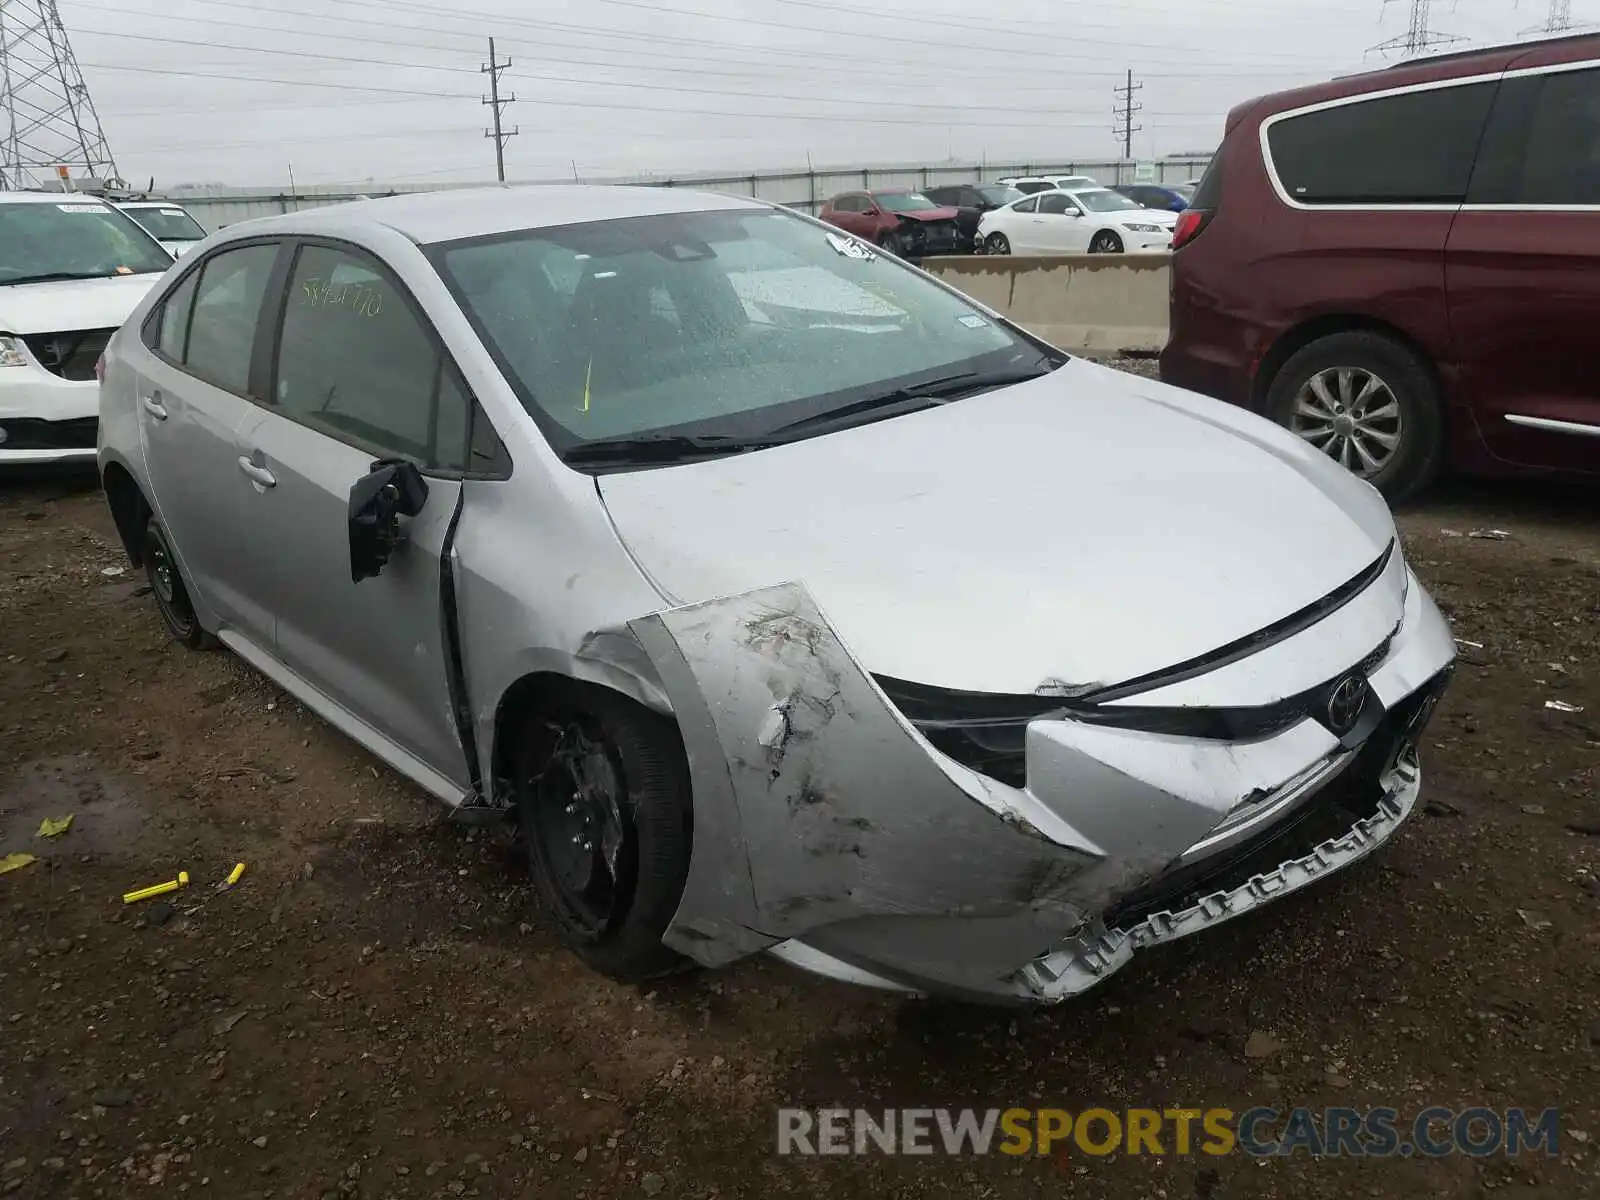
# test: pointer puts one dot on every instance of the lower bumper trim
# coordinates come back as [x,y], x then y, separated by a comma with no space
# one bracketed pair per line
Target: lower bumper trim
[1075,969]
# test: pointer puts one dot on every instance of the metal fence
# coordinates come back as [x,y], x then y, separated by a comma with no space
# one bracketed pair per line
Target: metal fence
[804,190]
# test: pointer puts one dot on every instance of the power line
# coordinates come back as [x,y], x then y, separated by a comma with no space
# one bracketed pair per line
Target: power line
[1124,111]
[494,69]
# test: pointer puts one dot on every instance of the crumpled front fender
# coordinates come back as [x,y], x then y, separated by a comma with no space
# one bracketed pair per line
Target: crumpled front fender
[816,803]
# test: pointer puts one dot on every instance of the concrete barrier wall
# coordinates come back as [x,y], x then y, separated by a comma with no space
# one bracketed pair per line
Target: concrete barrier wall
[1092,303]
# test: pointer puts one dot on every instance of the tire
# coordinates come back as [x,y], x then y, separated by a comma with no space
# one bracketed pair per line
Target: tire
[997,243]
[1105,242]
[1313,395]
[610,900]
[171,593]
[889,243]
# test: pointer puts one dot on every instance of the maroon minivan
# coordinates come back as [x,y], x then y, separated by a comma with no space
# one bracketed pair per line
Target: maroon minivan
[1403,267]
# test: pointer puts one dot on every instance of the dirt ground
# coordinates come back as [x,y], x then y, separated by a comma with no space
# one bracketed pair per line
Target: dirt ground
[378,1009]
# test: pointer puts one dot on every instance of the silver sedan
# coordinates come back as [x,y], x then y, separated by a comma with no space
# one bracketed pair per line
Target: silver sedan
[783,599]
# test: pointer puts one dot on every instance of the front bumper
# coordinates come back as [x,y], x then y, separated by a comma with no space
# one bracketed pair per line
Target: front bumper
[46,419]
[830,833]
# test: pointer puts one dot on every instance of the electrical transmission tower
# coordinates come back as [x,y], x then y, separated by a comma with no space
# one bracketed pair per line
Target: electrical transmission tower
[1124,111]
[498,103]
[1560,18]
[1418,37]
[47,120]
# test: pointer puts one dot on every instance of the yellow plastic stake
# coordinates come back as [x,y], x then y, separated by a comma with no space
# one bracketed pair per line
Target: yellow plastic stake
[160,889]
[234,875]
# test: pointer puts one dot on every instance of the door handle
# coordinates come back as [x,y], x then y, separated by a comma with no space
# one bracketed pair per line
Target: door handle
[153,406]
[256,473]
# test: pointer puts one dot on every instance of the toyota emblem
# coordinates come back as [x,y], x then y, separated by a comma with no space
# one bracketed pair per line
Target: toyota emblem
[1345,702]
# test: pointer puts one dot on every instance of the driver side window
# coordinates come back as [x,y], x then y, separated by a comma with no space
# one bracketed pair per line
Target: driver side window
[358,363]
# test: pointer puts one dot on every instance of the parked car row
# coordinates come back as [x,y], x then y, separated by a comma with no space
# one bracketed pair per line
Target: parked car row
[1013,215]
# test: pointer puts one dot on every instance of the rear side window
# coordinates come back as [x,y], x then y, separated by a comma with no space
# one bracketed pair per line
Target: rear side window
[1415,148]
[172,325]
[227,306]
[1543,143]
[1031,204]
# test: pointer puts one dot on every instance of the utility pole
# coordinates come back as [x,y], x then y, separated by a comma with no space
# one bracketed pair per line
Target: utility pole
[1124,111]
[498,133]
[1417,37]
[47,120]
[1560,18]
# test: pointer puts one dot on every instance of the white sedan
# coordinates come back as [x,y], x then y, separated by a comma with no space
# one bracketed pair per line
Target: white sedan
[1089,220]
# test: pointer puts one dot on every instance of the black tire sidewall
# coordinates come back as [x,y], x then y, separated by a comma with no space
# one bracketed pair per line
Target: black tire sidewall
[1407,376]
[178,616]
[658,808]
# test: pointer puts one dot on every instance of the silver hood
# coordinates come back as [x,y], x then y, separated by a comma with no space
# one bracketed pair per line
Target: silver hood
[1086,528]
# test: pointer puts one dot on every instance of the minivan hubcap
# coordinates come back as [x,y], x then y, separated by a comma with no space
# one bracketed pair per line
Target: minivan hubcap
[1350,415]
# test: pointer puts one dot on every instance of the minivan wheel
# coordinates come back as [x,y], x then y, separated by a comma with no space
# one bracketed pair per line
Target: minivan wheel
[1367,402]
[998,243]
[1105,242]
[604,814]
[166,585]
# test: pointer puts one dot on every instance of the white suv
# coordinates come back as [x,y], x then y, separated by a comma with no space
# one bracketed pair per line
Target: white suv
[1029,184]
[71,270]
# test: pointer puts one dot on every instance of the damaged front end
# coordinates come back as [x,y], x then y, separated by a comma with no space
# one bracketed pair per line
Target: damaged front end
[1019,849]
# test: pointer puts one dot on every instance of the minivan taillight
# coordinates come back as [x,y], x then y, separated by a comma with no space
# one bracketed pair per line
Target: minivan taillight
[1190,222]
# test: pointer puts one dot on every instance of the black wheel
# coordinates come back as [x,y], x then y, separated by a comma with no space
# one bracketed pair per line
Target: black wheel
[998,243]
[166,585]
[1105,242]
[605,815]
[891,243]
[1369,403]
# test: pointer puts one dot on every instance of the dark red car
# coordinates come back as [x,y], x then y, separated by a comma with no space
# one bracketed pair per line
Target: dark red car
[1403,266]
[903,222]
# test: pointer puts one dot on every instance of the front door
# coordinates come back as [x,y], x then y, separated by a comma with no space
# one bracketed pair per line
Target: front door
[360,376]
[193,388]
[1522,273]
[1060,227]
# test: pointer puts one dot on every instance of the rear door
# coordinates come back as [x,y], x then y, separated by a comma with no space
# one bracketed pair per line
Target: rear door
[195,394]
[359,375]
[1523,273]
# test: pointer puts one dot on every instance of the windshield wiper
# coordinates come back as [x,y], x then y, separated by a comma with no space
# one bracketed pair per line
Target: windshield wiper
[927,394]
[58,276]
[660,448]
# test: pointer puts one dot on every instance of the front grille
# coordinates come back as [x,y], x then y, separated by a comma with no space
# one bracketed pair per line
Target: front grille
[1352,797]
[30,433]
[69,355]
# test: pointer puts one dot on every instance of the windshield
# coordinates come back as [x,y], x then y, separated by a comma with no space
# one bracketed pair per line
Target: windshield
[997,195]
[168,224]
[903,201]
[1103,200]
[73,239]
[727,324]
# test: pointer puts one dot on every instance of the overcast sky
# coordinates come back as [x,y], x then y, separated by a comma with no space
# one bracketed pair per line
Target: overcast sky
[243,92]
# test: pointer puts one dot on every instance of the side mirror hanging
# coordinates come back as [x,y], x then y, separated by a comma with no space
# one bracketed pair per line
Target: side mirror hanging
[392,489]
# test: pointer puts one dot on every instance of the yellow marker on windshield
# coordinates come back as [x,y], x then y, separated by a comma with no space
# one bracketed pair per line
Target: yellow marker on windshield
[588,373]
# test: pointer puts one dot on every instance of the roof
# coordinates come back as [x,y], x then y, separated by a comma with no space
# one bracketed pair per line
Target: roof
[477,212]
[49,198]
